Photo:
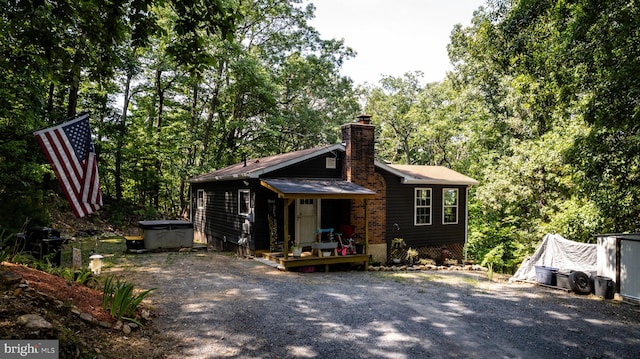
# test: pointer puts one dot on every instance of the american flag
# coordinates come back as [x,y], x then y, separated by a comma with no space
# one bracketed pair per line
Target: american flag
[71,153]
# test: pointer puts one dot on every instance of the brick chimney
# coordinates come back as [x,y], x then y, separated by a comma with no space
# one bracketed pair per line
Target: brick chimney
[359,138]
[359,168]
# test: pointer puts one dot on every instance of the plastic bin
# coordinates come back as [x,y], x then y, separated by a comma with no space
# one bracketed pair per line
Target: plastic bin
[562,278]
[166,234]
[604,287]
[546,275]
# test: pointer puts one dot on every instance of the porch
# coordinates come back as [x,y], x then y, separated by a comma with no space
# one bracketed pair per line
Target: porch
[306,191]
[307,259]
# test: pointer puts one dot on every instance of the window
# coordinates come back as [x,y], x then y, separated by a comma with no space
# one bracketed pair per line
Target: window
[422,206]
[244,202]
[330,162]
[450,206]
[200,199]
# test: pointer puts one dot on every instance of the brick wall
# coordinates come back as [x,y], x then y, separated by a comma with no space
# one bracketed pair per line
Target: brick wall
[359,168]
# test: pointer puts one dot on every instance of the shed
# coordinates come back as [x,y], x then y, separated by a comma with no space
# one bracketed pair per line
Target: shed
[618,255]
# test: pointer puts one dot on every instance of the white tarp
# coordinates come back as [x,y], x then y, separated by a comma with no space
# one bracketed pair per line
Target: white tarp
[558,252]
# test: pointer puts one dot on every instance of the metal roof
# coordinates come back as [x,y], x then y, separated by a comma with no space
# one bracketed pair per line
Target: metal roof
[316,188]
[255,168]
[417,174]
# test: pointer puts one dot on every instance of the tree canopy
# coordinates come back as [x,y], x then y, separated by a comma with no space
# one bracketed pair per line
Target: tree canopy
[541,106]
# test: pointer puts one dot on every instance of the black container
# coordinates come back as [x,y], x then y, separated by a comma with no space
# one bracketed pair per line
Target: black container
[41,243]
[604,287]
[134,243]
[562,278]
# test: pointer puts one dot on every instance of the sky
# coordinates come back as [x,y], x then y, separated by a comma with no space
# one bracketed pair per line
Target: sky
[392,37]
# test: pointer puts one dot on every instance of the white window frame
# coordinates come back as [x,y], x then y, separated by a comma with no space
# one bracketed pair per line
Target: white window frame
[416,206]
[454,206]
[200,198]
[241,192]
[330,163]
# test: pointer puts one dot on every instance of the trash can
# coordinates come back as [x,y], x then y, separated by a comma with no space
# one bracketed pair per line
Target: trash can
[604,287]
[546,275]
[562,278]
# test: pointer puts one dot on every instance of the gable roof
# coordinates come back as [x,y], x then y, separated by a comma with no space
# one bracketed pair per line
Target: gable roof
[410,174]
[418,174]
[256,167]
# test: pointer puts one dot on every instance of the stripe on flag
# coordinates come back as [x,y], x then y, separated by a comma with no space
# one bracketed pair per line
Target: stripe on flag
[71,153]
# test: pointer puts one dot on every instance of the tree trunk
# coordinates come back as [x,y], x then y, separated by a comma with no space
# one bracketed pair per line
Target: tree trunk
[157,164]
[122,127]
[211,118]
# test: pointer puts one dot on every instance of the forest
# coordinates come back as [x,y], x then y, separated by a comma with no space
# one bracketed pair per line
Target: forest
[542,106]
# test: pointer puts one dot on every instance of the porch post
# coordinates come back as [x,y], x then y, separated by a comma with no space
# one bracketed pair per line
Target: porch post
[366,226]
[287,203]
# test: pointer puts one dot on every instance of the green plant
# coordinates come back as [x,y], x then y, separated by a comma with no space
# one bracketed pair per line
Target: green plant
[426,261]
[494,257]
[120,298]
[412,255]
[7,250]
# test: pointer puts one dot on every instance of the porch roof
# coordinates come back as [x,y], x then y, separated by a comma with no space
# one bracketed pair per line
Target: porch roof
[295,188]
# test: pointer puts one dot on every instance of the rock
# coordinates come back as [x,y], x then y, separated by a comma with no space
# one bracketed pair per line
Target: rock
[118,325]
[132,325]
[126,329]
[87,317]
[17,292]
[34,321]
[75,310]
[145,314]
[104,324]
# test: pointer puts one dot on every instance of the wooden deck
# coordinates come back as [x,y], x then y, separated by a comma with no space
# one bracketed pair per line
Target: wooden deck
[307,259]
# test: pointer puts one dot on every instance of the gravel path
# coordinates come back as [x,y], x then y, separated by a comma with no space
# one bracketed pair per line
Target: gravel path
[221,306]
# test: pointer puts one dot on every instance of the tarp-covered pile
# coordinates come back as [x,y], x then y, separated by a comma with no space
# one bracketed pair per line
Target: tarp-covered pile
[558,252]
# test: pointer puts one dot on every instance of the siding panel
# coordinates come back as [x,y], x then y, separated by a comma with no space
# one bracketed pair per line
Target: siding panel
[400,211]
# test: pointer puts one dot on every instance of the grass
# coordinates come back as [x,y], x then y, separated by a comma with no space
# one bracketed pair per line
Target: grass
[430,278]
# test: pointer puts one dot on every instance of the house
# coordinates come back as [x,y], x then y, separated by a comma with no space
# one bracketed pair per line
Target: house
[258,203]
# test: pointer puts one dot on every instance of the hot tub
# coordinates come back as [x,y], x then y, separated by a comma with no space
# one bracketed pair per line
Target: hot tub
[166,234]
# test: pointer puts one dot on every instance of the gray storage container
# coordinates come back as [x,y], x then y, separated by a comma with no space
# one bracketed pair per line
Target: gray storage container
[166,234]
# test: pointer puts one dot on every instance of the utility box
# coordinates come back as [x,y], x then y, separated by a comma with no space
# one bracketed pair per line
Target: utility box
[166,234]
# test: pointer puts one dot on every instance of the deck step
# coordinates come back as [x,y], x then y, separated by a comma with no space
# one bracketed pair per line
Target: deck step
[266,261]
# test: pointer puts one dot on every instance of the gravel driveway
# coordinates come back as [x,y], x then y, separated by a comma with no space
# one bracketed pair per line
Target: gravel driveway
[217,305]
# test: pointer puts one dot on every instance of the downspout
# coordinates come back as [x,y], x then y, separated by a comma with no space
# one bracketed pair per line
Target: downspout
[466,224]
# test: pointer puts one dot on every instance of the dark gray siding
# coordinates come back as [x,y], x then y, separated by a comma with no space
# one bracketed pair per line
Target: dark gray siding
[312,168]
[219,219]
[400,211]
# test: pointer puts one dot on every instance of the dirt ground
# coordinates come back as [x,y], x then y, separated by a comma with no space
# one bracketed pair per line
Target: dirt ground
[212,305]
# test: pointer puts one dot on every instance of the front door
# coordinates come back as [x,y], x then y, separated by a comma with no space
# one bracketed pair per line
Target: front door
[306,221]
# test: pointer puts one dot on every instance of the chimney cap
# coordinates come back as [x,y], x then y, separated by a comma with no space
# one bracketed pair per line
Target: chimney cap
[364,119]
